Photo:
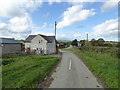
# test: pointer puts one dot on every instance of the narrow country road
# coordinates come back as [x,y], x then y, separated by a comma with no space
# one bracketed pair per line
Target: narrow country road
[72,73]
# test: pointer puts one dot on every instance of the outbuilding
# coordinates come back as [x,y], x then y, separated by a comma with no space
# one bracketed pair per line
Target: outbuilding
[9,46]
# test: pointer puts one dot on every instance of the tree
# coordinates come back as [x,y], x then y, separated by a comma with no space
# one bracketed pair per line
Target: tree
[100,42]
[75,42]
[93,42]
[82,42]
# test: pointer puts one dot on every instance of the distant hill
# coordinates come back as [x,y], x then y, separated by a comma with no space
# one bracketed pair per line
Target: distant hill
[21,41]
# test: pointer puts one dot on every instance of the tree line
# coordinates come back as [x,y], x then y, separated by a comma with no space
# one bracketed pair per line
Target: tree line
[94,42]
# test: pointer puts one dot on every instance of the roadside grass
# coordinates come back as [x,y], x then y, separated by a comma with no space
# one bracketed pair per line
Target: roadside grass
[0,73]
[104,66]
[26,71]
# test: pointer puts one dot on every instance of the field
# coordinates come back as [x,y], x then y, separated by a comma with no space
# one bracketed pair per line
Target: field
[26,71]
[103,66]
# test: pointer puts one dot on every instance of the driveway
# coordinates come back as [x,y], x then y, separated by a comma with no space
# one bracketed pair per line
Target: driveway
[72,73]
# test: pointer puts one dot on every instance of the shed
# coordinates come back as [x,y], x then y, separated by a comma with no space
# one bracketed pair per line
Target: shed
[9,46]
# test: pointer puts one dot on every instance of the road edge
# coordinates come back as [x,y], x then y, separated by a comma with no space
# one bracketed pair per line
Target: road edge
[45,83]
[101,82]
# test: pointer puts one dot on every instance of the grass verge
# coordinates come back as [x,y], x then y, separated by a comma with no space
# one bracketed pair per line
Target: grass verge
[26,71]
[105,67]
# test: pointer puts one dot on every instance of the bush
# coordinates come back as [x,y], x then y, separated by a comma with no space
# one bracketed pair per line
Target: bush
[102,50]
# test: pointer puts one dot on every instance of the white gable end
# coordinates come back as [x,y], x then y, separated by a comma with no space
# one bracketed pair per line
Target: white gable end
[38,42]
[42,43]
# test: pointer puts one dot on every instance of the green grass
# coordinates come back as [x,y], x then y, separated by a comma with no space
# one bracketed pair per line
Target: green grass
[0,77]
[26,71]
[105,67]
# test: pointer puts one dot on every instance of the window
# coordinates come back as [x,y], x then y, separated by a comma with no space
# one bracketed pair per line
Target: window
[40,41]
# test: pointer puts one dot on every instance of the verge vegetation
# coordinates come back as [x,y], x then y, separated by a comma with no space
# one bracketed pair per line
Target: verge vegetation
[26,71]
[101,63]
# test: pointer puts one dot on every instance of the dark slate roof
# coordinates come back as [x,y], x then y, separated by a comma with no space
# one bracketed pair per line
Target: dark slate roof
[30,37]
[9,40]
[47,38]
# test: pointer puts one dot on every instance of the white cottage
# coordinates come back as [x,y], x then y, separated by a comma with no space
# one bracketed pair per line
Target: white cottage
[40,44]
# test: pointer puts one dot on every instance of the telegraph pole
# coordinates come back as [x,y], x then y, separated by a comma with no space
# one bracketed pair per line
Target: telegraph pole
[55,29]
[87,39]
[55,37]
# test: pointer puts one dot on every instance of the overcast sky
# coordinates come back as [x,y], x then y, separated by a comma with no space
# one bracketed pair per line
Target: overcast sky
[20,18]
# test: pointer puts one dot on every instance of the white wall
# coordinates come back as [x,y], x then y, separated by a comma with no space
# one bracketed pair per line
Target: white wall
[35,43]
[47,47]
[51,47]
[27,44]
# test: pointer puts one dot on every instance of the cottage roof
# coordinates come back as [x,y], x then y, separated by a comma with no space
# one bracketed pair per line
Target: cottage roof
[30,37]
[47,38]
[9,40]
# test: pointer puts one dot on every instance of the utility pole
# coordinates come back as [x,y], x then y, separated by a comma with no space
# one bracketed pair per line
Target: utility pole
[87,39]
[55,29]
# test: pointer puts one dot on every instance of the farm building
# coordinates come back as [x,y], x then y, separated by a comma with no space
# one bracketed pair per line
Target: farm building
[9,46]
[40,44]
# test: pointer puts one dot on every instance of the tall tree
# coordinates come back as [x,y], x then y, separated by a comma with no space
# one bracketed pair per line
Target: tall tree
[82,42]
[75,42]
[93,42]
[100,42]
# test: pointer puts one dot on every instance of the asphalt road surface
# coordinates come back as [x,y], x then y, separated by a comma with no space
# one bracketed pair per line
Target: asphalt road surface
[72,73]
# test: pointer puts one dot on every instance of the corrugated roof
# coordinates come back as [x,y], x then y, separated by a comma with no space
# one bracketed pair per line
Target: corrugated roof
[9,40]
[47,38]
